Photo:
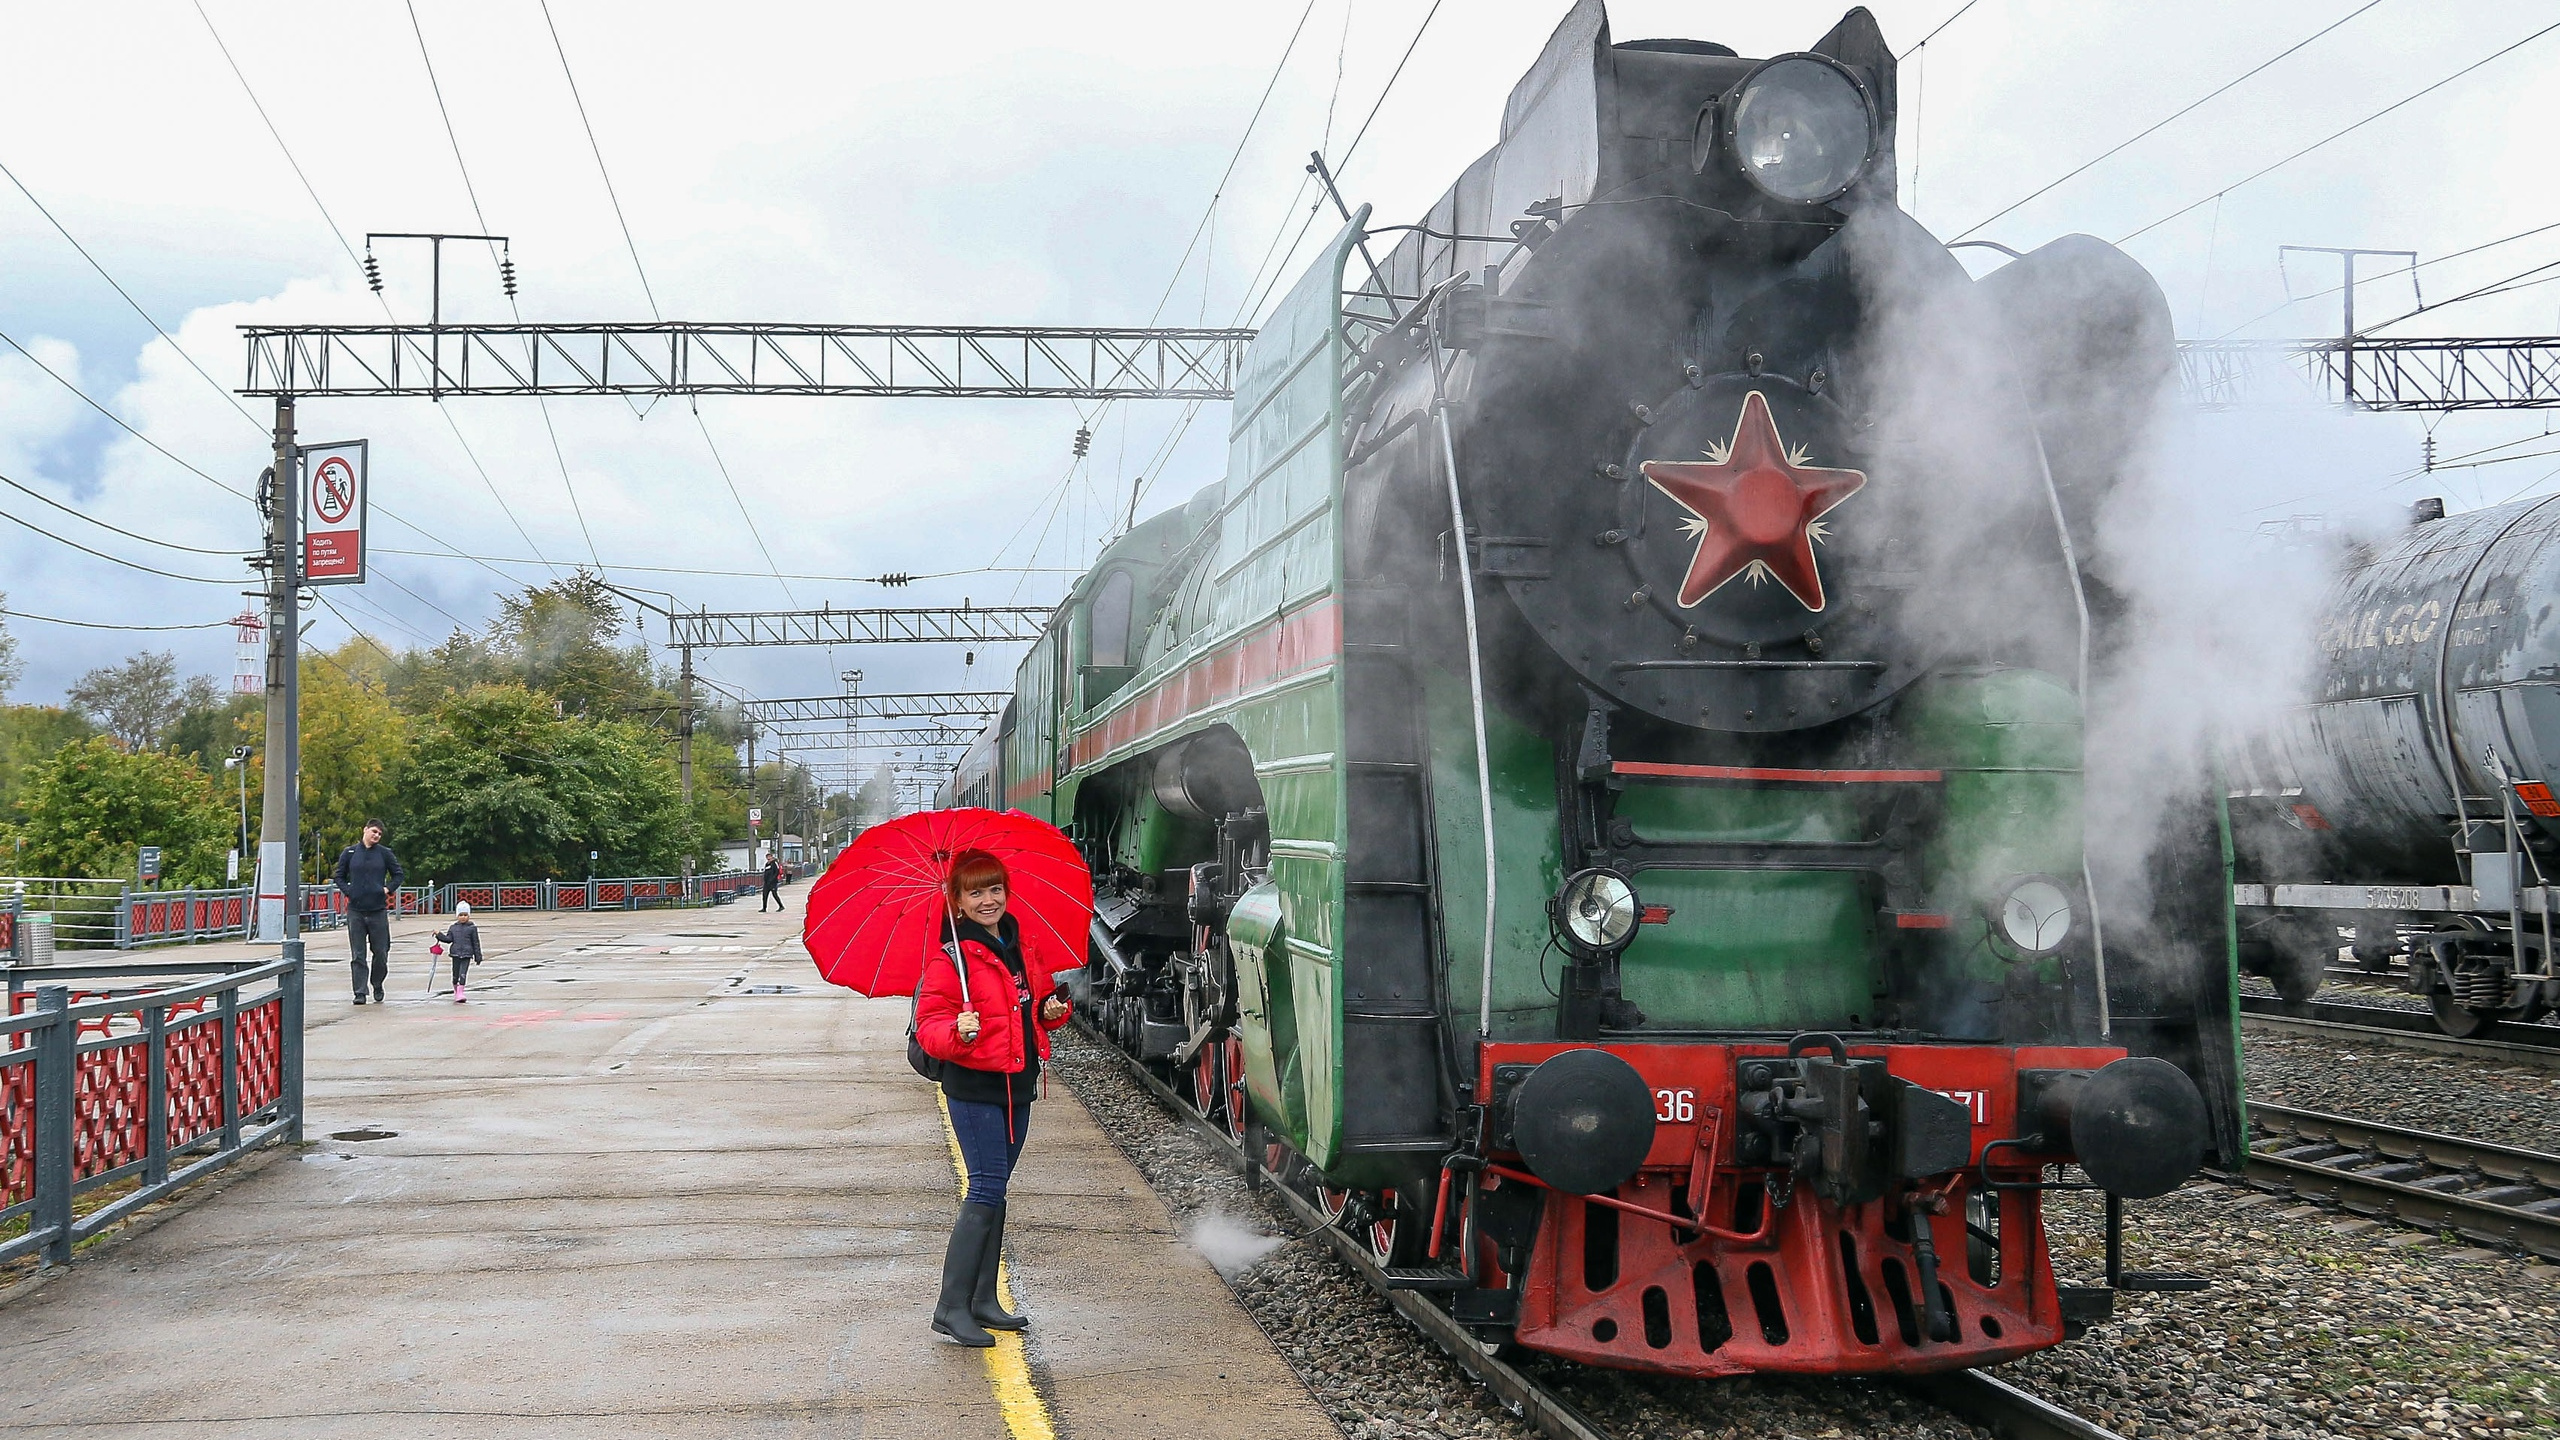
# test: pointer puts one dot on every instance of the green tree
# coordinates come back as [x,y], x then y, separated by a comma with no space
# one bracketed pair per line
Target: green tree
[12,668]
[561,639]
[89,807]
[29,736]
[503,785]
[206,733]
[355,746]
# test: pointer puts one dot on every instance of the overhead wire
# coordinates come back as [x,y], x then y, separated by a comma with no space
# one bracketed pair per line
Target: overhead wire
[480,217]
[127,296]
[1252,303]
[598,150]
[649,292]
[337,233]
[85,399]
[2388,275]
[2156,127]
[12,613]
[117,559]
[103,525]
[2341,134]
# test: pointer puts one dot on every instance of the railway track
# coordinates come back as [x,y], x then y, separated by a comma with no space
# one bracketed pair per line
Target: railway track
[2490,1194]
[2005,1410]
[2537,1045]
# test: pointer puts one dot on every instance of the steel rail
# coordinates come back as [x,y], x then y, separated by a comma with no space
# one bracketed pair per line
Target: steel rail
[2536,1045]
[2003,1409]
[2493,1194]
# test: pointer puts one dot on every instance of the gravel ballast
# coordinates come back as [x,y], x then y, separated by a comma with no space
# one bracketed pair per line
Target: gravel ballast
[2309,1330]
[2390,1085]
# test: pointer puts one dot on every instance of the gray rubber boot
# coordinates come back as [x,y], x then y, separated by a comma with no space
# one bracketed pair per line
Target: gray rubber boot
[960,1276]
[983,1305]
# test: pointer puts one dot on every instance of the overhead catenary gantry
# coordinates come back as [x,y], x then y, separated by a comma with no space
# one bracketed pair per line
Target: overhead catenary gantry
[817,709]
[909,738]
[692,358]
[980,624]
[1086,363]
[2364,373]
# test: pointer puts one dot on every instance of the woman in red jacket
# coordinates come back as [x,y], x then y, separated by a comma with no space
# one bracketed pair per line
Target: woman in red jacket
[992,1032]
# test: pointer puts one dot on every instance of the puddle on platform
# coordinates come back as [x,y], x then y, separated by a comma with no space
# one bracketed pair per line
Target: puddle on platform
[771,990]
[367,1133]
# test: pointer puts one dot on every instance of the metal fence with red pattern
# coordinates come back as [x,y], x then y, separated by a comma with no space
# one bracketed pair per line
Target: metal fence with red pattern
[154,1073]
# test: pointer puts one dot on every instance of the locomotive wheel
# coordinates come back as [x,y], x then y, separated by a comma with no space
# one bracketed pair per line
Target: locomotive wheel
[1208,1088]
[1235,1107]
[2458,1020]
[1397,1233]
[1381,1227]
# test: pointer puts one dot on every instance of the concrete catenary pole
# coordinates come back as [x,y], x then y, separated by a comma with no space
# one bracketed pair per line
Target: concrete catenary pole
[280,819]
[684,750]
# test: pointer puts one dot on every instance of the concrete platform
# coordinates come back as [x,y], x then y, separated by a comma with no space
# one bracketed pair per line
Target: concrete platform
[626,1195]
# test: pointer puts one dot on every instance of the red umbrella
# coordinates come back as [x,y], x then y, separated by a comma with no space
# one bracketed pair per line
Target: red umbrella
[872,918]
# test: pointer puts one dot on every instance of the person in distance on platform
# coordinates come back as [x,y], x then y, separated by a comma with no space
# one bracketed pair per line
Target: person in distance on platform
[772,883]
[991,1040]
[462,942]
[369,875]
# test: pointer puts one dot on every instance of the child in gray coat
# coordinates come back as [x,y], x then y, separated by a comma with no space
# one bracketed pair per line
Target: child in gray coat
[462,941]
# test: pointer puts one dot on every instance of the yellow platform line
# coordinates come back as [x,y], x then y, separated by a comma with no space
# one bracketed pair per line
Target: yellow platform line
[1026,1415]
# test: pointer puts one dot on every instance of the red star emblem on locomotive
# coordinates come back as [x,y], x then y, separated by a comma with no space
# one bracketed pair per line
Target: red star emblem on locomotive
[1756,509]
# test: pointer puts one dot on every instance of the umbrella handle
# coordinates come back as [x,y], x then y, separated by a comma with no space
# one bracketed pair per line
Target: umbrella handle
[958,965]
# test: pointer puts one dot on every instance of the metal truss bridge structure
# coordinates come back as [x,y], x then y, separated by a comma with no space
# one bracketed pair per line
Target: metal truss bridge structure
[978,624]
[689,358]
[818,709]
[1129,363]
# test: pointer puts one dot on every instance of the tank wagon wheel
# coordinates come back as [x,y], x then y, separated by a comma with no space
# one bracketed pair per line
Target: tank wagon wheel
[2458,1020]
[2303,950]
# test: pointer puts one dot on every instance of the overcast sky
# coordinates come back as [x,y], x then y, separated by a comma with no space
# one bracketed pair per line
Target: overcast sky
[1039,163]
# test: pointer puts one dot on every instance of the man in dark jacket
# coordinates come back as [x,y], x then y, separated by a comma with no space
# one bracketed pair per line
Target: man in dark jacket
[369,875]
[772,884]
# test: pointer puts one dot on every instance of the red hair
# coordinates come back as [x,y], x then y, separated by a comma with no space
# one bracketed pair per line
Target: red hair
[973,869]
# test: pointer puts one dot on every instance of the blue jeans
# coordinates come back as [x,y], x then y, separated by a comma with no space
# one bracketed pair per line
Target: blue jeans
[986,1149]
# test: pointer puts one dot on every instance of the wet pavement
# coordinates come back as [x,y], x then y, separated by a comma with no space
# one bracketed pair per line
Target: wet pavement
[655,1178]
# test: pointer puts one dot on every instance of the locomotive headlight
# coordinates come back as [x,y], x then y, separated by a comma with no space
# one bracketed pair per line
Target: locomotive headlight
[2032,913]
[1596,912]
[1801,128]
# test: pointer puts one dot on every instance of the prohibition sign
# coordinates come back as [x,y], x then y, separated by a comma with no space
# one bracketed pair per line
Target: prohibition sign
[333,490]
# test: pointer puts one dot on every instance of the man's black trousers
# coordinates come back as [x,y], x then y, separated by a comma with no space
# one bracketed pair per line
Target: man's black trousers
[773,893]
[373,926]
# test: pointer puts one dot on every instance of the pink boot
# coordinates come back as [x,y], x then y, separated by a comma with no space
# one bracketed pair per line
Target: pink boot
[457,992]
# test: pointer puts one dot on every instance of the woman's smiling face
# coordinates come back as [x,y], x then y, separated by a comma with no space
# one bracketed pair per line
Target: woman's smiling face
[984,903]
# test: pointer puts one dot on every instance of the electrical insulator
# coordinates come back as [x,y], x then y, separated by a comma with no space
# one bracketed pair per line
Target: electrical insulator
[507,275]
[2430,452]
[896,578]
[1084,441]
[373,272]
[968,657]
